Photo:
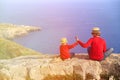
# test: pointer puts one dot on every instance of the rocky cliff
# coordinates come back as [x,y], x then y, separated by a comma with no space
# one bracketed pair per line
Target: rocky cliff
[10,49]
[49,67]
[10,31]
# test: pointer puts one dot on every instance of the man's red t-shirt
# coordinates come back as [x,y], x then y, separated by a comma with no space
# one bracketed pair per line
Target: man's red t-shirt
[97,47]
[65,50]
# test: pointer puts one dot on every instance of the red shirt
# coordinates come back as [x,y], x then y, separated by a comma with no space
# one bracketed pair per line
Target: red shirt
[64,50]
[98,47]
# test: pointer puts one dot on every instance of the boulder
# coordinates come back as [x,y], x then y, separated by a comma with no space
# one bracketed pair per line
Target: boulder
[111,67]
[47,67]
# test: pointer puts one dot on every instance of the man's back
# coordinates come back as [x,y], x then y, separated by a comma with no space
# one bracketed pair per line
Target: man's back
[98,47]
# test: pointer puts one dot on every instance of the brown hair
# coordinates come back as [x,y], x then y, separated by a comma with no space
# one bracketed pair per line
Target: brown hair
[96,34]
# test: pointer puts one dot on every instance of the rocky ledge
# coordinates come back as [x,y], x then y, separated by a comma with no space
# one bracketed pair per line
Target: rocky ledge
[51,67]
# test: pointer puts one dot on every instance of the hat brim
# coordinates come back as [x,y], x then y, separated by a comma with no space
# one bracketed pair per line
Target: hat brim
[95,32]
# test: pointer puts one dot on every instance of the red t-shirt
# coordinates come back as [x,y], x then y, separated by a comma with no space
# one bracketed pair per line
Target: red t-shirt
[64,50]
[98,47]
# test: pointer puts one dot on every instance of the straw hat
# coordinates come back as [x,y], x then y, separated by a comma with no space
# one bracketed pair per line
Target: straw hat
[64,40]
[96,30]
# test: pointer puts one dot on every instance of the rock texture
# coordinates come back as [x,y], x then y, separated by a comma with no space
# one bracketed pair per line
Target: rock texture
[45,67]
[10,31]
[111,67]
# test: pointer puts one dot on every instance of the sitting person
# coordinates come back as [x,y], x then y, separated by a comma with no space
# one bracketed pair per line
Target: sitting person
[96,46]
[64,49]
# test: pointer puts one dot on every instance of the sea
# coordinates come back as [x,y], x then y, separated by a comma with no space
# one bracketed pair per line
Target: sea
[63,18]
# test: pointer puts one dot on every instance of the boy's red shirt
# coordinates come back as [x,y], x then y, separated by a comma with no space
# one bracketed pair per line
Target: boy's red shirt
[65,50]
[98,47]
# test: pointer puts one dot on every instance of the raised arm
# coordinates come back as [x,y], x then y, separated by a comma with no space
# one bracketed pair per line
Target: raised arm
[84,45]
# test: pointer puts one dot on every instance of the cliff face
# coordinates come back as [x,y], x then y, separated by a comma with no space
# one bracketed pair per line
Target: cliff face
[10,49]
[53,68]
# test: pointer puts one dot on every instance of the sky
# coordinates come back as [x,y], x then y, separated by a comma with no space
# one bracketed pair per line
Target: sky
[63,18]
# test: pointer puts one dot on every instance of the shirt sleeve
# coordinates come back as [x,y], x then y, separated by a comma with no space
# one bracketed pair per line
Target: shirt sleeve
[73,45]
[85,45]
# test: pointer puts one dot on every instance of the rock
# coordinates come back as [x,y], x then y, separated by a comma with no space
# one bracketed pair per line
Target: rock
[11,31]
[46,67]
[111,66]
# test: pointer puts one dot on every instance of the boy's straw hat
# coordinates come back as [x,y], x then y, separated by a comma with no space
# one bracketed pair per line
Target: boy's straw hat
[96,30]
[64,40]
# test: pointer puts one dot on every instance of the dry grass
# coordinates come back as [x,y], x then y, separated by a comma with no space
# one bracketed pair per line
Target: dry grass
[10,49]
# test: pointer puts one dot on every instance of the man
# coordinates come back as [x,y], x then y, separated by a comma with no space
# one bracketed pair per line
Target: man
[96,46]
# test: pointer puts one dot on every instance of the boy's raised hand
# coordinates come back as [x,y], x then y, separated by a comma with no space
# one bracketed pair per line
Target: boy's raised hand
[76,37]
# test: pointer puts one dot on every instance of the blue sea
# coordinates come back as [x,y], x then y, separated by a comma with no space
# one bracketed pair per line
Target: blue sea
[63,18]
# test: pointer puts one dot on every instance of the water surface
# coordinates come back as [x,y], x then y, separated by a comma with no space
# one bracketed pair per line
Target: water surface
[63,18]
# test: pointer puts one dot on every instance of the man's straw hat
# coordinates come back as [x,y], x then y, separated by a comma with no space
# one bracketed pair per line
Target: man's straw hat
[96,30]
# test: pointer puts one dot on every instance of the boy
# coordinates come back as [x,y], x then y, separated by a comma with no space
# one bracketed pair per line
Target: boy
[64,49]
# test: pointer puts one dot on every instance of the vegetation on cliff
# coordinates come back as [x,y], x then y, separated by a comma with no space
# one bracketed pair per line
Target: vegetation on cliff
[10,49]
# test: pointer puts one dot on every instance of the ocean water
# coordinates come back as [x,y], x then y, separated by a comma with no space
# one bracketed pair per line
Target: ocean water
[63,18]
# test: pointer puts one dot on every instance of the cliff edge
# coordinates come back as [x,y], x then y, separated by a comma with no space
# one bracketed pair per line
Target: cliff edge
[50,67]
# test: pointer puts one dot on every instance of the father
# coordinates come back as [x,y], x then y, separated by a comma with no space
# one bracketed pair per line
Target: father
[96,46]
